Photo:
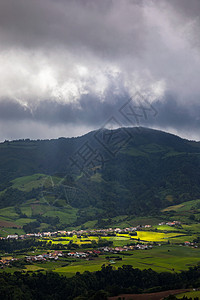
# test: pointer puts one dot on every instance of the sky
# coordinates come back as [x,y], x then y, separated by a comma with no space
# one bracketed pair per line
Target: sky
[71,66]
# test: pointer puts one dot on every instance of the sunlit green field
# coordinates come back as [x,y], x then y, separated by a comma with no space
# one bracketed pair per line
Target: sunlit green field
[166,228]
[150,236]
[164,258]
[124,239]
[191,294]
[186,206]
[167,257]
[7,231]
[33,268]
[27,183]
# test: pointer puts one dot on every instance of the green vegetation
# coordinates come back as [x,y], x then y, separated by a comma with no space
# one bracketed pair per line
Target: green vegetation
[153,178]
[93,286]
[158,259]
[27,183]
[166,257]
[191,295]
[149,173]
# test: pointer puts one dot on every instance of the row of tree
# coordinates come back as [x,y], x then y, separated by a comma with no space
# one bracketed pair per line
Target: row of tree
[91,286]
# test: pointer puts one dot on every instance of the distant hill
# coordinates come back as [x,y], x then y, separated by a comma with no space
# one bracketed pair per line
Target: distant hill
[103,174]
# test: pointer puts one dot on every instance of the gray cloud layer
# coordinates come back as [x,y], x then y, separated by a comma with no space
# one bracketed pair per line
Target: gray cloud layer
[68,66]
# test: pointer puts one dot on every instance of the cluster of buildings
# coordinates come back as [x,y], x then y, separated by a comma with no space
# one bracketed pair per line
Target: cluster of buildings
[193,245]
[23,236]
[94,232]
[85,254]
[174,223]
[79,254]
[89,254]
[103,250]
[46,256]
[6,262]
[79,233]
[117,250]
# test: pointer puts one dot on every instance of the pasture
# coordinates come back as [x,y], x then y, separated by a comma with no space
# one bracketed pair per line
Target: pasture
[166,257]
[163,258]
[191,294]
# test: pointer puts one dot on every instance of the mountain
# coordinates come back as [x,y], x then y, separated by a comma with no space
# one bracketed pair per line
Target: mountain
[103,174]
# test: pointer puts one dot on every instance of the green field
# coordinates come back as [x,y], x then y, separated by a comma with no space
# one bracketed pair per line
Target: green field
[6,231]
[126,239]
[169,256]
[27,183]
[186,206]
[149,236]
[191,294]
[166,228]
[48,205]
[164,258]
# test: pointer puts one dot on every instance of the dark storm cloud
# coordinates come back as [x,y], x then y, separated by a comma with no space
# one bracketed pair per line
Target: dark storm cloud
[173,114]
[10,110]
[92,112]
[190,9]
[66,63]
[95,25]
[89,111]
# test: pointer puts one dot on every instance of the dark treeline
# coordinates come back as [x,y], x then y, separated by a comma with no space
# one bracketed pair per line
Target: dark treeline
[12,245]
[13,196]
[34,226]
[91,286]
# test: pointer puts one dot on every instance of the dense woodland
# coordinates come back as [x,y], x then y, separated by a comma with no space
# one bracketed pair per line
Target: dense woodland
[11,245]
[97,285]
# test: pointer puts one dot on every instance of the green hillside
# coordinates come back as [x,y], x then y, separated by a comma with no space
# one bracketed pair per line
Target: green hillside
[68,182]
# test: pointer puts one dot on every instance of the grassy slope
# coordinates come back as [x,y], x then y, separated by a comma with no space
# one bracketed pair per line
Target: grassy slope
[43,206]
[185,207]
[191,294]
[184,212]
[150,170]
[34,207]
[68,214]
[27,183]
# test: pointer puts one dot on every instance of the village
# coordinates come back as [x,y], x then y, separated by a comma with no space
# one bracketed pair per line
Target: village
[111,245]
[91,232]
[88,254]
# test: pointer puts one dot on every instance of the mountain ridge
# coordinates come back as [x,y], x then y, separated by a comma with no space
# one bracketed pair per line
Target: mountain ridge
[103,174]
